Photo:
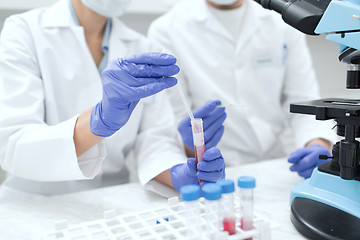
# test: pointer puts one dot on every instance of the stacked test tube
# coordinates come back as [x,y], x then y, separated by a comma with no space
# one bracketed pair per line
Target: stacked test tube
[219,208]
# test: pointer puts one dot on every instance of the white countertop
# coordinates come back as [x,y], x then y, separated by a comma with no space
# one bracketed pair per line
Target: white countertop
[36,216]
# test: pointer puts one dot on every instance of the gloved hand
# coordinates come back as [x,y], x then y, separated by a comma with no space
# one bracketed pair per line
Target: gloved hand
[125,82]
[211,169]
[213,118]
[306,159]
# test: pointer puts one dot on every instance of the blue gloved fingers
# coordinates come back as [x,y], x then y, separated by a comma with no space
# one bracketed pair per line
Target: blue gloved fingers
[303,164]
[192,164]
[184,174]
[214,117]
[211,166]
[215,139]
[207,108]
[155,87]
[184,128]
[212,154]
[138,82]
[202,112]
[210,131]
[299,154]
[307,173]
[152,58]
[210,176]
[144,70]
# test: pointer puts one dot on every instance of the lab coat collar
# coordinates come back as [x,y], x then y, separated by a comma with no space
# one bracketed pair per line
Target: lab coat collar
[203,13]
[58,15]
[255,12]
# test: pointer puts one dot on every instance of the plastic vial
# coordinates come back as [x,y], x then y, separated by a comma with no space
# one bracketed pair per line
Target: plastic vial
[198,138]
[212,195]
[246,186]
[227,200]
[190,194]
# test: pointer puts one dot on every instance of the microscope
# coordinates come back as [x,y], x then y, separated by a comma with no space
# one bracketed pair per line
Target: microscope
[327,205]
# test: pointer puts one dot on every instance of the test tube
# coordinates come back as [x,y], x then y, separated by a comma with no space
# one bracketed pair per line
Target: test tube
[212,194]
[190,194]
[246,186]
[198,138]
[227,199]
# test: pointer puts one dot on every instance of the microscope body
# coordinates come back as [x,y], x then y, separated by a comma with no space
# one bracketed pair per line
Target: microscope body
[327,205]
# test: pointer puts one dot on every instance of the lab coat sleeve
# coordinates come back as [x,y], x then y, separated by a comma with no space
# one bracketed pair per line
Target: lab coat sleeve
[160,34]
[301,85]
[29,147]
[156,147]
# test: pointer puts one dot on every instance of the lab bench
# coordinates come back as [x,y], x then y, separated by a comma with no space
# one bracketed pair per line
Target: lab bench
[37,215]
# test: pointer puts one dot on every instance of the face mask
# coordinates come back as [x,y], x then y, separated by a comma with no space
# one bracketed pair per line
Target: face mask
[223,2]
[108,8]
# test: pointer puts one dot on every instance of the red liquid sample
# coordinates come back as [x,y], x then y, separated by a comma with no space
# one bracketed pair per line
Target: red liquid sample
[229,225]
[248,227]
[199,152]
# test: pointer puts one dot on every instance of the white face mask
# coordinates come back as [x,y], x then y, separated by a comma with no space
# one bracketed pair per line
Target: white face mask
[223,2]
[108,8]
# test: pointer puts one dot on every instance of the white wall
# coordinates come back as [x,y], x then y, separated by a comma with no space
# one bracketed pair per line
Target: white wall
[330,72]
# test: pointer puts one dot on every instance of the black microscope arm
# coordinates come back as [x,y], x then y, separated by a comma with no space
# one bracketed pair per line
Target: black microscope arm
[304,15]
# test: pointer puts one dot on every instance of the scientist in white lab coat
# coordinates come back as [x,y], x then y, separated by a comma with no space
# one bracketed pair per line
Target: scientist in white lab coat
[248,58]
[60,118]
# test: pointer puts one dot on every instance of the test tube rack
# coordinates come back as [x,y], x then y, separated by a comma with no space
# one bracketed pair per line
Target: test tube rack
[166,223]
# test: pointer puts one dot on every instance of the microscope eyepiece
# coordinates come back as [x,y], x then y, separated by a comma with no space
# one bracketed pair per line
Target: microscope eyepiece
[304,15]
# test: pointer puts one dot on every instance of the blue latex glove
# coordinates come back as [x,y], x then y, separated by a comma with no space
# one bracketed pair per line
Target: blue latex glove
[306,159]
[125,82]
[211,169]
[213,118]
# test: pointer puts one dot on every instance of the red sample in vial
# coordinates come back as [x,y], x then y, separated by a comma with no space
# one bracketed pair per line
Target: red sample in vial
[229,225]
[246,227]
[199,152]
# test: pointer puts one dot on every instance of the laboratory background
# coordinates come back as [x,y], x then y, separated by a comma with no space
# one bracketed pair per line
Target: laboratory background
[329,71]
[331,75]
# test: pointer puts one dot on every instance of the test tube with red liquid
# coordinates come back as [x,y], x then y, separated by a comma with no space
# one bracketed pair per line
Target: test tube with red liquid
[227,200]
[198,138]
[246,190]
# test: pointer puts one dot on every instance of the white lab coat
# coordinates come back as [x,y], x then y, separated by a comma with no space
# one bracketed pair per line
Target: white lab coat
[49,78]
[256,76]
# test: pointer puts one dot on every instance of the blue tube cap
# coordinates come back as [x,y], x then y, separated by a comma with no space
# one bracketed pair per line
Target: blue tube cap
[246,182]
[227,185]
[212,191]
[190,192]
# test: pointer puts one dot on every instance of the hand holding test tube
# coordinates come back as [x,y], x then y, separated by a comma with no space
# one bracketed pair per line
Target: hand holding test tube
[208,165]
[213,117]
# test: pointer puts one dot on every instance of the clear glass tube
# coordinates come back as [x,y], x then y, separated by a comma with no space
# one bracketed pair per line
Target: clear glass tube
[213,207]
[228,221]
[213,215]
[190,194]
[198,138]
[246,193]
[247,202]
